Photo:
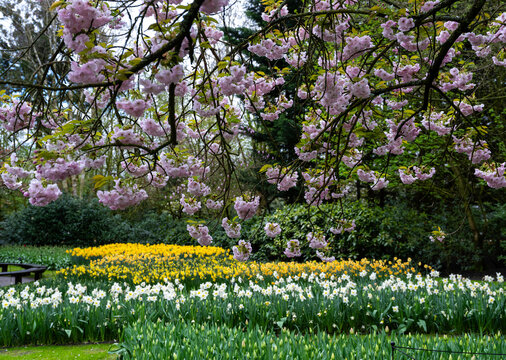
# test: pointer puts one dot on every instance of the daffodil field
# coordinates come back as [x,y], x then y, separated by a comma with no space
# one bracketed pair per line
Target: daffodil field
[114,289]
[137,263]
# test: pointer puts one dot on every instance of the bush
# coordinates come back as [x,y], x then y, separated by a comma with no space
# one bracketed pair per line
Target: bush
[72,222]
[381,233]
[66,222]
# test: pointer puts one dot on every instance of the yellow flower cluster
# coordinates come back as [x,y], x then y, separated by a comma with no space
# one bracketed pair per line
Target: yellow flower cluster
[151,264]
[172,251]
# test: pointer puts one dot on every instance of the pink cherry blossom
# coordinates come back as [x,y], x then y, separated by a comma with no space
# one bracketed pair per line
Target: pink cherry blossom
[212,6]
[214,205]
[80,15]
[272,229]
[17,116]
[366,176]
[356,46]
[438,123]
[136,170]
[10,181]
[122,196]
[283,180]
[246,208]
[324,257]
[94,163]
[388,32]
[149,87]
[292,248]
[476,152]
[405,24]
[126,136]
[88,73]
[467,109]
[171,76]
[275,13]
[60,169]
[384,75]
[270,49]
[406,178]
[197,188]
[423,175]
[494,177]
[154,128]
[343,225]
[232,228]
[190,205]
[380,183]
[40,195]
[242,251]
[135,108]
[361,89]
[316,241]
[201,234]
[428,6]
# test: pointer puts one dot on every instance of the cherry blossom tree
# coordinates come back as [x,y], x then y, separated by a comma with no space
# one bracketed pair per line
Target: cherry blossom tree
[371,80]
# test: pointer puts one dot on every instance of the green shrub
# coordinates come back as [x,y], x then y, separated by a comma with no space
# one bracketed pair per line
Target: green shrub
[66,222]
[163,228]
[395,230]
[208,341]
[495,229]
[72,222]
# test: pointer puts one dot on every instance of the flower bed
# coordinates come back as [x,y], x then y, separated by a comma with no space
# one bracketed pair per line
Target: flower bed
[139,263]
[205,341]
[205,285]
[323,302]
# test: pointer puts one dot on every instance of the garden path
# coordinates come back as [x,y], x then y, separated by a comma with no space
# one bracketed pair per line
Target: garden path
[9,280]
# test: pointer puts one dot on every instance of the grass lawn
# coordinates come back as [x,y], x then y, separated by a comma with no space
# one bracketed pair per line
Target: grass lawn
[89,351]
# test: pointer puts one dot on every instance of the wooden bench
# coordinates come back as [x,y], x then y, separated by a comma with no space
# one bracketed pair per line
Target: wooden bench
[28,269]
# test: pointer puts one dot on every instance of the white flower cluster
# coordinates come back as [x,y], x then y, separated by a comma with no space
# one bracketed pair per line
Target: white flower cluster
[297,288]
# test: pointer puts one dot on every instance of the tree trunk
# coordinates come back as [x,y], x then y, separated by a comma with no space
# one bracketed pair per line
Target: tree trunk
[463,189]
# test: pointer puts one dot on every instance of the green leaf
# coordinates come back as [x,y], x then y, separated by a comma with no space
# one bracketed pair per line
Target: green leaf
[55,5]
[264,168]
[135,61]
[222,65]
[101,180]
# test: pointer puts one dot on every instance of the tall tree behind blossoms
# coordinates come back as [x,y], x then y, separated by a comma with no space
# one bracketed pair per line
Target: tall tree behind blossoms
[170,87]
[272,142]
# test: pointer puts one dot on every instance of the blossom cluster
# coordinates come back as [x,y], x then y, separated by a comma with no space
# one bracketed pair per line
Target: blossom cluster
[246,208]
[281,178]
[201,234]
[232,228]
[407,177]
[122,196]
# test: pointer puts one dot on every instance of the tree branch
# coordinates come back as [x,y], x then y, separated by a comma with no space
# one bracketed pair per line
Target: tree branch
[443,51]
